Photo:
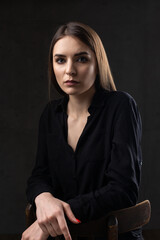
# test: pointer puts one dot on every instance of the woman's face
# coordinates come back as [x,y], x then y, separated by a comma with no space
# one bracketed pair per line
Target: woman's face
[74,65]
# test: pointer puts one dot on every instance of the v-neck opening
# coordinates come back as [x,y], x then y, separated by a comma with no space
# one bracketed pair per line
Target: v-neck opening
[94,104]
[81,135]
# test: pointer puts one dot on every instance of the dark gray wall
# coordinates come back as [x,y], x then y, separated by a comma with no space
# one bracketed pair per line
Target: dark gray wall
[130,33]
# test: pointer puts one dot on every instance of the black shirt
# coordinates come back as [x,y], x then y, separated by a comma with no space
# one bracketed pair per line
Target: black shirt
[103,174]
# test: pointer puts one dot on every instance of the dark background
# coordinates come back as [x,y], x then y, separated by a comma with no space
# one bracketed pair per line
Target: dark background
[130,31]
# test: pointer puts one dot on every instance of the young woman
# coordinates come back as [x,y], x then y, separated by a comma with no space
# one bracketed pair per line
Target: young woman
[88,158]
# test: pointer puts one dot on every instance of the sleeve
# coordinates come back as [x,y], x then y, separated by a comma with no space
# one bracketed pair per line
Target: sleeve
[123,171]
[40,180]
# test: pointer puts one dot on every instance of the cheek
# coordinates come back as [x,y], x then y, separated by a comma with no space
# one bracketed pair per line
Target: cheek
[57,72]
[90,71]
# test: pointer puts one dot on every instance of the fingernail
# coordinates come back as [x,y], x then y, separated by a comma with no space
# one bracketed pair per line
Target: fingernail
[78,220]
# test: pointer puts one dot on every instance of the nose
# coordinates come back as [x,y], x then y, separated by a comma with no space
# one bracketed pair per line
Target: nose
[70,68]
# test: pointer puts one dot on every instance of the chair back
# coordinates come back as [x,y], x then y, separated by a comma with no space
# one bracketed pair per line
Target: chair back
[114,223]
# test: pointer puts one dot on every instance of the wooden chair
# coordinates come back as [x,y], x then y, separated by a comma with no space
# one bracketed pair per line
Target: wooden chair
[110,226]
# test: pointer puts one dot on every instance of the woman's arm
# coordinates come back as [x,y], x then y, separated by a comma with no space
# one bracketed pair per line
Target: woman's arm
[40,193]
[123,171]
[40,180]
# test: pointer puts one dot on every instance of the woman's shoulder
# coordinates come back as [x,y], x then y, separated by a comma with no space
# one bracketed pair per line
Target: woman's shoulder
[120,102]
[54,104]
[120,97]
[51,107]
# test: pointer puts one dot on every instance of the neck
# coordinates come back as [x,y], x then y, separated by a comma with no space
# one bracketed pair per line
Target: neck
[78,104]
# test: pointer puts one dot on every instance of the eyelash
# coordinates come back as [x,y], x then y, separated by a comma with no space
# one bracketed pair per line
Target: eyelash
[82,61]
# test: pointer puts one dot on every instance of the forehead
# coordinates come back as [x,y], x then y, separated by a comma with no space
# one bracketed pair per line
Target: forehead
[69,45]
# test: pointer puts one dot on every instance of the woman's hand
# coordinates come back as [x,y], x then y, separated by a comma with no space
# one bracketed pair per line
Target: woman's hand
[50,215]
[34,232]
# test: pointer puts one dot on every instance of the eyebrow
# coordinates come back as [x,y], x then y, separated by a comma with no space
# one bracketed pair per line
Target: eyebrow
[77,54]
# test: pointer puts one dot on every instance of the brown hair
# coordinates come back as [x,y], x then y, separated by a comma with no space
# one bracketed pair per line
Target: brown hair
[88,36]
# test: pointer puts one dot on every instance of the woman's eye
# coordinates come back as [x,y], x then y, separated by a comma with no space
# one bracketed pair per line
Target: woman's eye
[60,60]
[82,59]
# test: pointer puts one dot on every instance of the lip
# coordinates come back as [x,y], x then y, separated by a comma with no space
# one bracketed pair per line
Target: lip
[70,82]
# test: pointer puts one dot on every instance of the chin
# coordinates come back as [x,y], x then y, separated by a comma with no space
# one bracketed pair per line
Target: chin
[72,91]
[76,91]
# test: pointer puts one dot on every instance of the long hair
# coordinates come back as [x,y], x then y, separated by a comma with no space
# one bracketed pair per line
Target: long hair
[88,36]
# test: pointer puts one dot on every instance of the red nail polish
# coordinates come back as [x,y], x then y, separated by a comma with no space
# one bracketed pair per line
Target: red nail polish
[78,220]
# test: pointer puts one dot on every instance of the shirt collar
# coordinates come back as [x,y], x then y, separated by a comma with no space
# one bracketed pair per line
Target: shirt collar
[98,101]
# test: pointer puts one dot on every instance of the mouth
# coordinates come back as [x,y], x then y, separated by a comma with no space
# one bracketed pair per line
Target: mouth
[71,82]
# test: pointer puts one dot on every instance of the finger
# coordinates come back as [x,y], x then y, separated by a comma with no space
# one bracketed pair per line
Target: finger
[41,222]
[69,213]
[43,227]
[64,228]
[51,230]
[55,226]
